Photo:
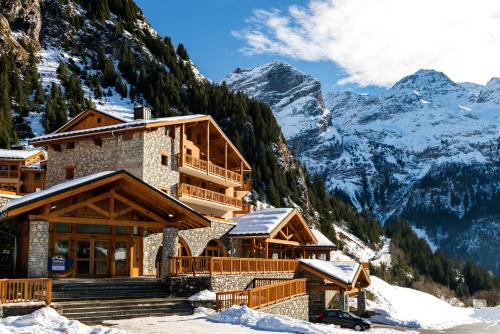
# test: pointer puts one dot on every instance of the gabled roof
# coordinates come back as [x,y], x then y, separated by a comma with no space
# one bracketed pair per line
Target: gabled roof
[270,222]
[151,199]
[111,115]
[18,154]
[124,124]
[323,241]
[345,274]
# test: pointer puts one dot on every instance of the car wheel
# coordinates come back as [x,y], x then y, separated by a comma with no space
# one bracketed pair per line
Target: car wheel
[358,328]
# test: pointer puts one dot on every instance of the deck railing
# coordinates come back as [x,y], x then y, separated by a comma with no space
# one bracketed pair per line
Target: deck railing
[208,195]
[189,265]
[212,168]
[25,290]
[261,296]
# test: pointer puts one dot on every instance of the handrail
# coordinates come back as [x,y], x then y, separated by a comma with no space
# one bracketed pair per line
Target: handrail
[208,195]
[261,296]
[212,168]
[22,290]
[199,265]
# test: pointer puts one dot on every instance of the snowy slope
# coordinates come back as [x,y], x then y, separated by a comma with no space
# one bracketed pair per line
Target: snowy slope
[426,150]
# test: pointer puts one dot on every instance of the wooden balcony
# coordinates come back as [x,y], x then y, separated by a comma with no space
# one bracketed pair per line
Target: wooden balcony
[261,296]
[25,290]
[206,265]
[208,170]
[192,194]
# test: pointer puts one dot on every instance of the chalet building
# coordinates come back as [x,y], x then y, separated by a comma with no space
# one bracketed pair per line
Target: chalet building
[22,172]
[162,198]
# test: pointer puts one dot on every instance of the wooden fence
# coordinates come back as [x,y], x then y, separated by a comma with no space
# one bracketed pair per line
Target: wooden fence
[199,265]
[25,290]
[262,296]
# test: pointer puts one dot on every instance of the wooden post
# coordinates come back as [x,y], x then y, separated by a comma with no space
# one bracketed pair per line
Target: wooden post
[241,172]
[48,293]
[181,153]
[225,160]
[208,147]
[267,250]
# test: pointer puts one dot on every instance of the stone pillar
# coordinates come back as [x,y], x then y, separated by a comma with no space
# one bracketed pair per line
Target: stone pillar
[170,241]
[38,249]
[361,302]
[343,301]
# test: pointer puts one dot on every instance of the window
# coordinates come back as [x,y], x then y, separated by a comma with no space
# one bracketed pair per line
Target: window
[93,228]
[70,173]
[98,120]
[61,247]
[128,136]
[164,159]
[70,145]
[62,227]
[189,134]
[38,176]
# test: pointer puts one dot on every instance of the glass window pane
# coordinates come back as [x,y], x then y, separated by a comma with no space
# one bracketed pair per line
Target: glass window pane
[121,255]
[121,230]
[83,267]
[91,228]
[100,249]
[83,249]
[61,247]
[62,227]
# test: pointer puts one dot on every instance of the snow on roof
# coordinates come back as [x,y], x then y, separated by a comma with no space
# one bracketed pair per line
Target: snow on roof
[260,222]
[17,154]
[343,271]
[323,241]
[126,125]
[52,190]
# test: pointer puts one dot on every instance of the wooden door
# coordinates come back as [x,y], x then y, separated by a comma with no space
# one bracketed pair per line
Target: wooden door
[83,258]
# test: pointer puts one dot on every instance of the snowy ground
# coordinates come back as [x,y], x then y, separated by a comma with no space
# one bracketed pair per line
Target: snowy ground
[412,308]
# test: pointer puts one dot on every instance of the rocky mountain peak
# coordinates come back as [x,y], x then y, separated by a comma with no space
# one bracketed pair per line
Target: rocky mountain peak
[428,82]
[490,92]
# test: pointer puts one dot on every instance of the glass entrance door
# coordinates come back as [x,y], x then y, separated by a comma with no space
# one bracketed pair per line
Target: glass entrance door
[83,258]
[92,258]
[121,258]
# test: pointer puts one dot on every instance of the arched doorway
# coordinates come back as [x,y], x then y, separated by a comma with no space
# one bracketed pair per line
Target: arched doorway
[182,250]
[215,248]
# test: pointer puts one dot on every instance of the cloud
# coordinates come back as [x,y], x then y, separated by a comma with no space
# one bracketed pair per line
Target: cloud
[377,42]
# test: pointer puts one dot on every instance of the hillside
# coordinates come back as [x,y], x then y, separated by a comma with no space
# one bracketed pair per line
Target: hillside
[425,150]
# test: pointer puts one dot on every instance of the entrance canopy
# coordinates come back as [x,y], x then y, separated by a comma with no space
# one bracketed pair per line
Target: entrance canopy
[348,276]
[114,198]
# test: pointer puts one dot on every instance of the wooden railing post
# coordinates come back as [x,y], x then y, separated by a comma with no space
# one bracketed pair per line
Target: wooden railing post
[48,293]
[3,286]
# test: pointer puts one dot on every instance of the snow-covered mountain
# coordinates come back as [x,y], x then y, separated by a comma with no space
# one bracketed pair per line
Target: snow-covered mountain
[426,150]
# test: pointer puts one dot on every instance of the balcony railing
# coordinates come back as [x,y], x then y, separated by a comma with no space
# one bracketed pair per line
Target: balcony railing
[25,290]
[261,296]
[200,265]
[211,168]
[208,195]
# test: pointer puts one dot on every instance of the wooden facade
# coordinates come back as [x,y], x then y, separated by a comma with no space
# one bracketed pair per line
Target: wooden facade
[24,173]
[99,225]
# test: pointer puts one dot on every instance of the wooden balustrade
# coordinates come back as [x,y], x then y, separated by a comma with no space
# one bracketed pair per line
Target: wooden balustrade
[25,290]
[258,282]
[186,265]
[208,195]
[211,168]
[261,296]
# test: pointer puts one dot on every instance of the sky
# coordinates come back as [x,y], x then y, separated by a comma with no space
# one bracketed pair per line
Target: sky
[364,45]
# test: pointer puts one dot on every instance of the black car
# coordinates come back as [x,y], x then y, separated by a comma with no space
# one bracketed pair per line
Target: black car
[344,319]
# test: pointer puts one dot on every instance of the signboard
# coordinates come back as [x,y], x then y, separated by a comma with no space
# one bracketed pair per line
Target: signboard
[58,264]
[477,303]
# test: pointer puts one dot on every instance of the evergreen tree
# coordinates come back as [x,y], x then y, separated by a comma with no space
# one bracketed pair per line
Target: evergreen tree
[109,75]
[56,114]
[182,52]
[121,88]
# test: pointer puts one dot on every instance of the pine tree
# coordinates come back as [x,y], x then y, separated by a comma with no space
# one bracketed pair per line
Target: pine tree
[182,52]
[121,88]
[56,114]
[109,74]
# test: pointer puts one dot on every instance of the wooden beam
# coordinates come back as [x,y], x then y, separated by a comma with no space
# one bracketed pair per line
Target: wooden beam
[139,208]
[79,205]
[181,159]
[123,211]
[94,221]
[98,210]
[282,242]
[225,160]
[208,147]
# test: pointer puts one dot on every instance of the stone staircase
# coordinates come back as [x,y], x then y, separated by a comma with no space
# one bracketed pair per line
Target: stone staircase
[93,301]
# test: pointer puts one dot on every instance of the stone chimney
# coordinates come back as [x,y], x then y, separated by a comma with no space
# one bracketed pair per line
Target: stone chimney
[142,112]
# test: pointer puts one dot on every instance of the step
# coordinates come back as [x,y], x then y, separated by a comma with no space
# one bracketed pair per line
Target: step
[108,313]
[124,306]
[114,303]
[100,320]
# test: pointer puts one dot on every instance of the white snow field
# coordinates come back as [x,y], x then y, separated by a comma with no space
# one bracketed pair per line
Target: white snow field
[416,309]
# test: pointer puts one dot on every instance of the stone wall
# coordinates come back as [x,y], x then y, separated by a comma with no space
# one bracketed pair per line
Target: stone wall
[185,286]
[17,310]
[89,158]
[151,245]
[170,242]
[158,142]
[38,249]
[296,307]
[197,238]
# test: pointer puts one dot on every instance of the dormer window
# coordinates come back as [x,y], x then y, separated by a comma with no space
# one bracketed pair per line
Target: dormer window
[98,120]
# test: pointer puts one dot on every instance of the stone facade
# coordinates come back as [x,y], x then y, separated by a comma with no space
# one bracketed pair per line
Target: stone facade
[361,309]
[17,310]
[38,249]
[158,142]
[197,238]
[296,307]
[185,286]
[151,245]
[170,241]
[115,153]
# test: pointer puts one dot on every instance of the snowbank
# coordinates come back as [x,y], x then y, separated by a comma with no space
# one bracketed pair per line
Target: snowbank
[412,308]
[47,320]
[267,322]
[203,296]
